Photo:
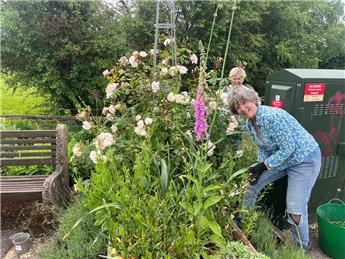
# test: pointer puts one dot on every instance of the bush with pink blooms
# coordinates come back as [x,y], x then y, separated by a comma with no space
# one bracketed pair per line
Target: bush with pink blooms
[164,181]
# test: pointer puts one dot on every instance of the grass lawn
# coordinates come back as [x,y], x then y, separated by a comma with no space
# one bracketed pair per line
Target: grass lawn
[21,101]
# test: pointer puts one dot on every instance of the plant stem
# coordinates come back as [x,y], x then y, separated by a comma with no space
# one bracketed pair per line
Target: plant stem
[209,41]
[228,41]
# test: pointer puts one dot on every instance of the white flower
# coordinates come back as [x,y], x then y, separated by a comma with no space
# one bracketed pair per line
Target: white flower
[104,140]
[171,97]
[87,125]
[224,97]
[172,71]
[123,60]
[132,61]
[143,54]
[167,42]
[77,150]
[114,128]
[135,53]
[188,116]
[194,59]
[181,69]
[231,128]
[155,86]
[138,117]
[148,121]
[140,129]
[140,123]
[210,148]
[213,105]
[179,99]
[164,70]
[110,89]
[152,52]
[93,156]
[165,62]
[106,72]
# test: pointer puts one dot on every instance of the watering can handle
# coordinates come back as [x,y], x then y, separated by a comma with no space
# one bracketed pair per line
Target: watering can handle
[337,200]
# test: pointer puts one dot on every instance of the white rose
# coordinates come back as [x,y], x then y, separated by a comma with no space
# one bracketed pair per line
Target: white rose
[155,86]
[106,72]
[93,156]
[138,117]
[114,128]
[77,150]
[87,125]
[148,121]
[123,60]
[104,140]
[132,61]
[194,59]
[167,42]
[164,70]
[171,97]
[142,54]
[181,69]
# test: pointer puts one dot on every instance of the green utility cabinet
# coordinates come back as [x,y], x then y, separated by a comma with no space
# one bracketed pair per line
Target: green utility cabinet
[316,98]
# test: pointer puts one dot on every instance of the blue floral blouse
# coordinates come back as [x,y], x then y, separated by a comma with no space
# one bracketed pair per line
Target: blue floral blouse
[282,142]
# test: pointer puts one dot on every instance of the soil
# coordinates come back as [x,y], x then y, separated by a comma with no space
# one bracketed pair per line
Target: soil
[33,217]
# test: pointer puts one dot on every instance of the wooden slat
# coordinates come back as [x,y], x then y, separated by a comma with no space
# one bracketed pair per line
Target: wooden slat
[27,133]
[26,154]
[22,178]
[27,141]
[47,147]
[29,161]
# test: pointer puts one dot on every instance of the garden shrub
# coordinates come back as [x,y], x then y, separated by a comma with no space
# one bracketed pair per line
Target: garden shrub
[159,188]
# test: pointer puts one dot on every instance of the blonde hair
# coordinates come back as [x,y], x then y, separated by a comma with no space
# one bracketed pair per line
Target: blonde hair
[238,71]
[239,95]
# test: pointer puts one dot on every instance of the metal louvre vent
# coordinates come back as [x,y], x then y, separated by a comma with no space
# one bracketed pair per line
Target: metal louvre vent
[319,109]
[329,167]
[335,108]
[328,109]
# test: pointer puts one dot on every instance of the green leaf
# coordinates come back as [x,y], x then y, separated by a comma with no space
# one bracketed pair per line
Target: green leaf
[212,187]
[164,176]
[212,200]
[197,207]
[237,173]
[219,241]
[214,226]
[203,222]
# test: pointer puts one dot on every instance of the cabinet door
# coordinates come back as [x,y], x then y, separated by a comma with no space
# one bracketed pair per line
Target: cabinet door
[322,113]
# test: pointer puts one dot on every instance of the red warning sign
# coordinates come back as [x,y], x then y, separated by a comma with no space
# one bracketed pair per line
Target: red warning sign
[314,92]
[277,104]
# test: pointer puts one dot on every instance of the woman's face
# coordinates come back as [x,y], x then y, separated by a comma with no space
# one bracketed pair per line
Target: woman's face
[247,109]
[236,79]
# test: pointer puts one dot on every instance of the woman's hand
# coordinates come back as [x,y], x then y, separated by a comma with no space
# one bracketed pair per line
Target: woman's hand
[255,172]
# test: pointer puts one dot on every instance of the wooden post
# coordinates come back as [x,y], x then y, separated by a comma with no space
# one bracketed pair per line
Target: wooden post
[62,151]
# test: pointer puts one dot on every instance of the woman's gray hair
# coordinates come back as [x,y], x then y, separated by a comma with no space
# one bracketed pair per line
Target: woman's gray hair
[240,94]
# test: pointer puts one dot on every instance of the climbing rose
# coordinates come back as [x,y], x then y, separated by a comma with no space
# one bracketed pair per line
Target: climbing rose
[155,86]
[104,140]
[77,150]
[194,59]
[87,125]
[110,89]
[142,54]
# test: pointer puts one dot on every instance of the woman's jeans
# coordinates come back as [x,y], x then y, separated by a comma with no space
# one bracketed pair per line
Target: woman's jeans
[301,179]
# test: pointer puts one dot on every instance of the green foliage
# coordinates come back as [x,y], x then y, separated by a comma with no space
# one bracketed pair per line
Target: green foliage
[262,236]
[59,47]
[85,240]
[175,196]
[27,170]
[239,250]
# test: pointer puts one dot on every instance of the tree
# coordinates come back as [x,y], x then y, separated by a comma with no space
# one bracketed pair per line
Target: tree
[60,47]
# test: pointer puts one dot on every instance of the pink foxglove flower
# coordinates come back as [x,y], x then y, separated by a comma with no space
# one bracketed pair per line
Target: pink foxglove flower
[201,113]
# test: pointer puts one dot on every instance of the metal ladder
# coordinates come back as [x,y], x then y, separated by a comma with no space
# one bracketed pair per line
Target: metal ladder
[158,26]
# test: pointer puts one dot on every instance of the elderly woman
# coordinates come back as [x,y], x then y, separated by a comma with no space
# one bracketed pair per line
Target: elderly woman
[285,148]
